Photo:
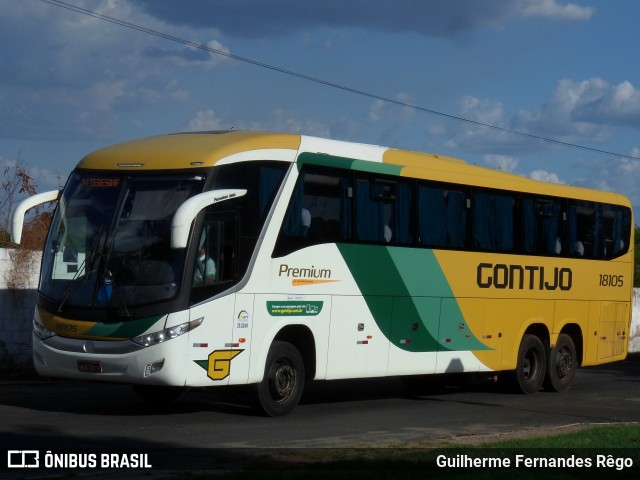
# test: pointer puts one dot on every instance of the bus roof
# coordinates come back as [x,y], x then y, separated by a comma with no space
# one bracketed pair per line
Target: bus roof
[205,149]
[184,150]
[444,170]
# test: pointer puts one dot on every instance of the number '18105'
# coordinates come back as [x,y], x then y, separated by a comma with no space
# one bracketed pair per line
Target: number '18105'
[611,280]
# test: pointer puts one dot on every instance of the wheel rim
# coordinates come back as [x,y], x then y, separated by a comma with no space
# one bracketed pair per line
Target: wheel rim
[530,365]
[282,381]
[564,363]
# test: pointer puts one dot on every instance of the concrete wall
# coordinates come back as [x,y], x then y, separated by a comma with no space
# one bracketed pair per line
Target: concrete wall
[634,339]
[16,313]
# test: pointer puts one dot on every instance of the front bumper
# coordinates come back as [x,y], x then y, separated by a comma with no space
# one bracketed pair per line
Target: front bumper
[119,361]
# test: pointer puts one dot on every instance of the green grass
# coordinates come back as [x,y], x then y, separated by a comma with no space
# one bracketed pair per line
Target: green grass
[610,436]
[418,461]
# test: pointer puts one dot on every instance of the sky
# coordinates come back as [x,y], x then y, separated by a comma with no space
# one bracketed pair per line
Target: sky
[560,79]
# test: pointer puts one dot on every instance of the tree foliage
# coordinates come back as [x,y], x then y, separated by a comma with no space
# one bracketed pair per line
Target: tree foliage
[18,184]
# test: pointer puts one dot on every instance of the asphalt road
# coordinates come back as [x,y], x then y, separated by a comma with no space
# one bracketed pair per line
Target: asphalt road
[64,414]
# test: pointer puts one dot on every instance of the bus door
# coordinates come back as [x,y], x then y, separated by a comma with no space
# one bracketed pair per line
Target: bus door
[214,270]
[414,333]
[358,346]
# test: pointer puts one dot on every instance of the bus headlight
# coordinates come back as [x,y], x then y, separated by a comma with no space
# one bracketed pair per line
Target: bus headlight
[153,338]
[41,331]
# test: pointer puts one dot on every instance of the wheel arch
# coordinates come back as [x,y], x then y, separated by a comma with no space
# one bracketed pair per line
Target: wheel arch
[540,330]
[511,344]
[575,332]
[301,337]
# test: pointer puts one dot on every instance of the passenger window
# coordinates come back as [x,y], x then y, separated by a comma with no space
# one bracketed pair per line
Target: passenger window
[583,224]
[493,222]
[383,211]
[542,226]
[615,228]
[322,210]
[319,212]
[442,217]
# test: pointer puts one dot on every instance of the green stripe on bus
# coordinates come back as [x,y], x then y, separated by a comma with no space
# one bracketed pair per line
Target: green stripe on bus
[128,329]
[325,160]
[375,167]
[409,298]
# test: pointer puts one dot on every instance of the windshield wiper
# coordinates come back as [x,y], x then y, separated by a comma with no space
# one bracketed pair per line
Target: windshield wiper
[71,288]
[108,290]
[87,267]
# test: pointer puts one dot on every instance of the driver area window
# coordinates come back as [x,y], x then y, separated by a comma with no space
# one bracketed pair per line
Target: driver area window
[215,264]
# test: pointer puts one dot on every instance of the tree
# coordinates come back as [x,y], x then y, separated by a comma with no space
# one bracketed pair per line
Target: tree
[17,183]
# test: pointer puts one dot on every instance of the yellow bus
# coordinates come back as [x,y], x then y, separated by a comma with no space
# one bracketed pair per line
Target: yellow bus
[232,258]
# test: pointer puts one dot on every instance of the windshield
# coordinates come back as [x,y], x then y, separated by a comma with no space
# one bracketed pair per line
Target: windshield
[108,245]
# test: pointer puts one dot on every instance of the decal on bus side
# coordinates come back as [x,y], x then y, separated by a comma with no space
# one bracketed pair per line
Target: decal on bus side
[412,278]
[301,276]
[523,277]
[218,364]
[294,308]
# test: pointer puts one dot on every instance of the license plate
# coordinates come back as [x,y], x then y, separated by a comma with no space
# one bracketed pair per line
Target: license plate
[88,366]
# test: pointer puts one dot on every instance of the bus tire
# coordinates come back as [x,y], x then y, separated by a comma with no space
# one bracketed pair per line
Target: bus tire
[283,382]
[532,365]
[157,395]
[562,365]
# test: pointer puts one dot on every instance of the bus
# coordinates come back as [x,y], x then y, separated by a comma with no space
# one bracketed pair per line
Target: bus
[268,260]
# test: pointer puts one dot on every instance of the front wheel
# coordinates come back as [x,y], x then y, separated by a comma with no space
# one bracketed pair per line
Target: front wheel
[531,367]
[562,364]
[283,382]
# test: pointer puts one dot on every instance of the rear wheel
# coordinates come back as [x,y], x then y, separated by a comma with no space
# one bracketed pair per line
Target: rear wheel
[531,367]
[562,364]
[283,382]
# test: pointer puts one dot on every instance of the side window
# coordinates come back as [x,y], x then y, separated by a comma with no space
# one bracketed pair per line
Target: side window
[442,216]
[383,211]
[583,223]
[542,226]
[216,260]
[320,211]
[616,224]
[493,222]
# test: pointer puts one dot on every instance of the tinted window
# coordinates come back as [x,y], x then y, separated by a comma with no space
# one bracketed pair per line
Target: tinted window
[320,211]
[384,211]
[442,216]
